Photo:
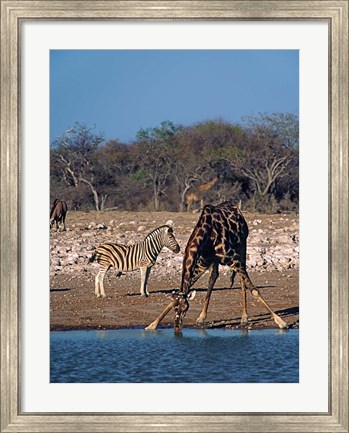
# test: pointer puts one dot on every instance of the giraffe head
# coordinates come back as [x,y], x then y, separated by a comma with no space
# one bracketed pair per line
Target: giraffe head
[181,306]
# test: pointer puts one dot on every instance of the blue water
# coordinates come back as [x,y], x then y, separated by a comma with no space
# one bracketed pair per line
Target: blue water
[197,356]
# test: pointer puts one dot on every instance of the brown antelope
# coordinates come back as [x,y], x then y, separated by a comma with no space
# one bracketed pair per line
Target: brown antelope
[58,213]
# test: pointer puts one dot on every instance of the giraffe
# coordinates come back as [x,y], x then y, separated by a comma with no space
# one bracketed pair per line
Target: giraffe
[197,194]
[219,238]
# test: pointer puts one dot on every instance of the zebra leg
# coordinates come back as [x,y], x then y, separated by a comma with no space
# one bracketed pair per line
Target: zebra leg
[97,285]
[145,271]
[99,288]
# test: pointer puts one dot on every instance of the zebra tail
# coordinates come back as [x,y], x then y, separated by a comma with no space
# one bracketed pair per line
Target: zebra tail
[92,258]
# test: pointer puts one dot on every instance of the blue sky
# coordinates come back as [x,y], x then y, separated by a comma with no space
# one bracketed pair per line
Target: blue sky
[121,91]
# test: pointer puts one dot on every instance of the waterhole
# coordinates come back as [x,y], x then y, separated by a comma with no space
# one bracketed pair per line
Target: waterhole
[197,356]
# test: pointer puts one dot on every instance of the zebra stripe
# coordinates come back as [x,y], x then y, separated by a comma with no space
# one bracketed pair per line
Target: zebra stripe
[125,258]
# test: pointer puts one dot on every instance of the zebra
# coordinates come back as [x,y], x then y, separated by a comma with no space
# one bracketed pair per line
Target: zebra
[58,213]
[141,256]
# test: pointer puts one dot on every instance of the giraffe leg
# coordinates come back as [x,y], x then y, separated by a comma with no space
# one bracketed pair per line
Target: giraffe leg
[244,316]
[144,279]
[156,322]
[232,278]
[255,293]
[213,277]
[189,205]
[235,268]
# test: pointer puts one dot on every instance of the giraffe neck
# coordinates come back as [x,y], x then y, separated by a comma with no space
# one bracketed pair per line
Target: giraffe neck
[207,186]
[195,245]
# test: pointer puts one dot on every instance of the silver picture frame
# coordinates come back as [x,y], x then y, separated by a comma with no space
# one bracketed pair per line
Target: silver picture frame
[12,14]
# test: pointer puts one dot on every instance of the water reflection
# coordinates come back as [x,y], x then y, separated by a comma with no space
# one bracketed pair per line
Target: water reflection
[197,356]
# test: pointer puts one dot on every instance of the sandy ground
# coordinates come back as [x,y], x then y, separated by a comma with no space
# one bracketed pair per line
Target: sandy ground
[74,305]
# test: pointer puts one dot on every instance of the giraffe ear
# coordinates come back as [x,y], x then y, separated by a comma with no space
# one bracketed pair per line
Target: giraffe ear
[191,295]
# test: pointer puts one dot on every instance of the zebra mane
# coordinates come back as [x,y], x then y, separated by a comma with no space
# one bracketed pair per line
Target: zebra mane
[158,230]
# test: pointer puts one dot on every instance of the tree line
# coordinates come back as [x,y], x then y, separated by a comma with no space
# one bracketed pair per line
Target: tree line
[255,161]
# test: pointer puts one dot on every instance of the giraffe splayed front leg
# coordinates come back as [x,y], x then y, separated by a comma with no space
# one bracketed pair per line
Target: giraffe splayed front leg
[180,303]
[156,322]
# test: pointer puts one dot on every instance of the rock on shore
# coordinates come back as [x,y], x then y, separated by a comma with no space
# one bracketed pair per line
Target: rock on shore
[272,245]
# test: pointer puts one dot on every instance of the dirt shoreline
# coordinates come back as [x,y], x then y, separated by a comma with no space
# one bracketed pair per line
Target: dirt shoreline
[74,305]
[272,265]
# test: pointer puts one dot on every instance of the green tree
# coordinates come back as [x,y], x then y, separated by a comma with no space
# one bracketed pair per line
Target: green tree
[154,146]
[269,147]
[191,161]
[75,154]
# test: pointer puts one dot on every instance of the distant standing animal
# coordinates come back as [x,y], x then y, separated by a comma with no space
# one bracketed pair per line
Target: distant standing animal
[219,238]
[141,256]
[58,213]
[197,194]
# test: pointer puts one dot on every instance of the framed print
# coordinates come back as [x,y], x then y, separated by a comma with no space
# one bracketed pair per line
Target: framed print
[302,47]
